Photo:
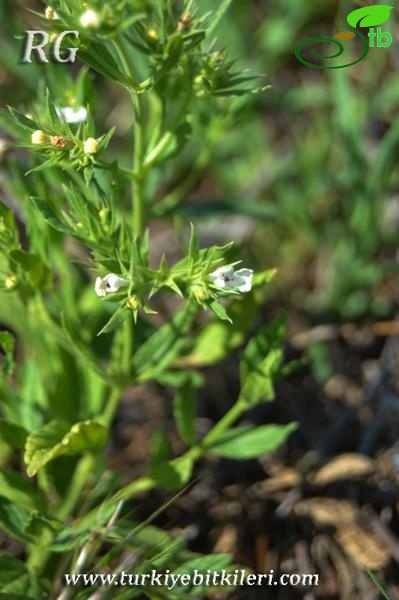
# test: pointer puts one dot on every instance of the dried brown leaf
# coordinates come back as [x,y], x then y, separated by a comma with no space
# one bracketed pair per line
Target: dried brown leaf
[362,546]
[345,466]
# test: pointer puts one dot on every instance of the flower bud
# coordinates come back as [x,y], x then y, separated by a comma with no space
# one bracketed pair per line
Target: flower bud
[103,214]
[152,34]
[39,138]
[11,282]
[50,14]
[200,293]
[133,303]
[184,23]
[59,141]
[90,19]
[90,146]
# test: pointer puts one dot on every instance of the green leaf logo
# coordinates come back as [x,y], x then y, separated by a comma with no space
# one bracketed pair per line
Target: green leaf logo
[369,16]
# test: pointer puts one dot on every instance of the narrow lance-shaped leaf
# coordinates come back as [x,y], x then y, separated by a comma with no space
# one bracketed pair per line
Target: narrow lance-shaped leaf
[119,317]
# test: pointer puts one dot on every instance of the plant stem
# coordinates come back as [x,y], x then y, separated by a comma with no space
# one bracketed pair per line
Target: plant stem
[138,181]
[193,454]
[225,422]
[138,147]
[110,407]
[81,473]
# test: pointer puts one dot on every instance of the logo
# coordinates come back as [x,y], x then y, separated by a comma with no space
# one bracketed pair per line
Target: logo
[368,16]
[57,53]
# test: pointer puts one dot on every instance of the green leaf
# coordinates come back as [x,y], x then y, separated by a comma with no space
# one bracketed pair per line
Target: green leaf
[173,474]
[22,120]
[244,443]
[16,580]
[161,450]
[193,248]
[263,277]
[14,520]
[99,58]
[19,490]
[119,317]
[51,218]
[57,438]
[156,354]
[13,435]
[270,336]
[213,562]
[369,16]
[7,343]
[218,16]
[219,311]
[258,385]
[184,413]
[210,345]
[36,270]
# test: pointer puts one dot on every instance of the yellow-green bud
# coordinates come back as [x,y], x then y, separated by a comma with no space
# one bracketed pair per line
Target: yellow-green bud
[79,225]
[10,282]
[90,146]
[39,138]
[152,34]
[133,303]
[200,293]
[103,213]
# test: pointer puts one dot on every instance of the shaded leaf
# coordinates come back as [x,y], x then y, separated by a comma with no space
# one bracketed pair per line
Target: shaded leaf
[13,435]
[7,343]
[163,346]
[184,412]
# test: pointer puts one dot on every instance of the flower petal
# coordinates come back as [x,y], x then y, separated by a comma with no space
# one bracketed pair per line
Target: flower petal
[244,273]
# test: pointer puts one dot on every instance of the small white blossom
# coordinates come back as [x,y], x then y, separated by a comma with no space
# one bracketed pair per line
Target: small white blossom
[228,279]
[90,19]
[109,284]
[72,115]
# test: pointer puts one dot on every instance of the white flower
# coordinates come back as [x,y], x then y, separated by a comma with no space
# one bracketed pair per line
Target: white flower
[72,115]
[90,19]
[228,279]
[109,284]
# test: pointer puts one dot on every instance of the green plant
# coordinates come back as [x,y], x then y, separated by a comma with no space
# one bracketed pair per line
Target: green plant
[78,291]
